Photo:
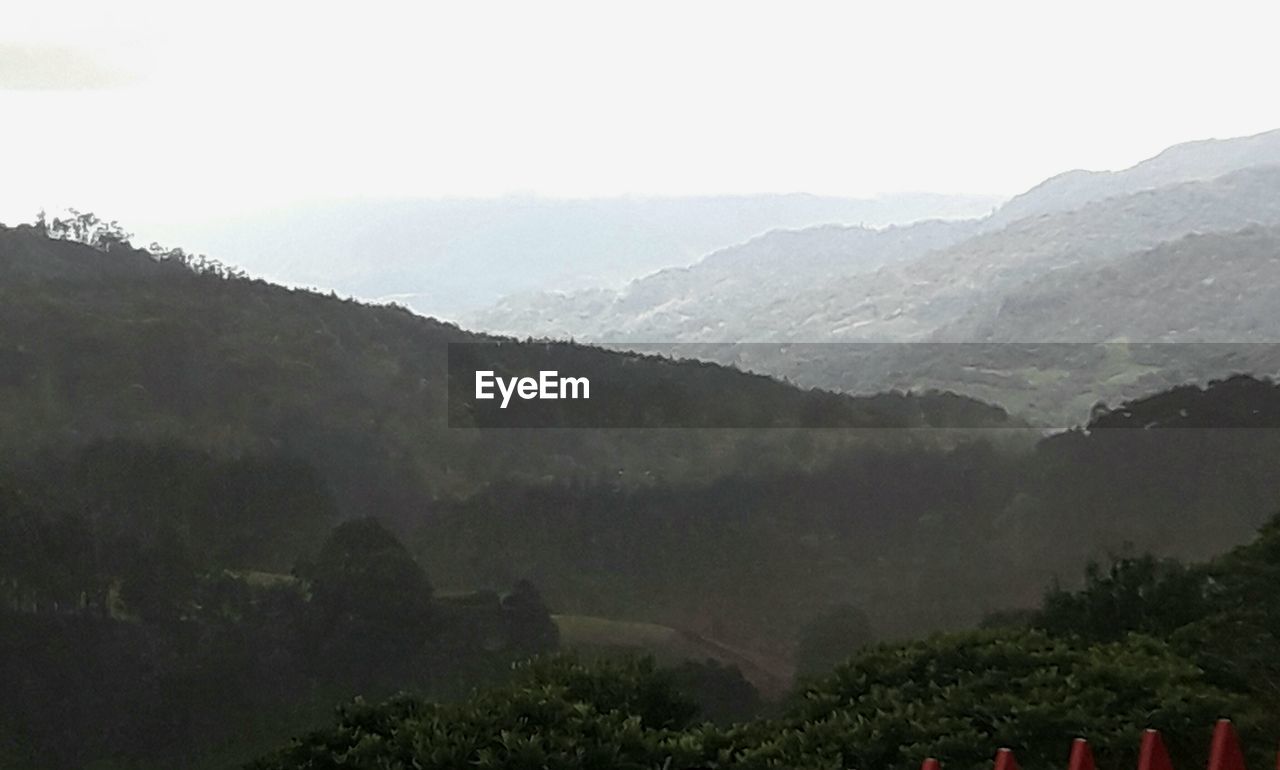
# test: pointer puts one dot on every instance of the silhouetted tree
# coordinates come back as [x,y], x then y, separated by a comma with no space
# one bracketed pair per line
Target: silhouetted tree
[370,602]
[530,627]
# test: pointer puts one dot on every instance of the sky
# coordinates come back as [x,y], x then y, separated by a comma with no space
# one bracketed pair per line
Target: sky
[171,111]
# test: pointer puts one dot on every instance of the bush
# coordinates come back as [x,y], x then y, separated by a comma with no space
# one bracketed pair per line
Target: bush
[959,697]
[557,714]
[956,697]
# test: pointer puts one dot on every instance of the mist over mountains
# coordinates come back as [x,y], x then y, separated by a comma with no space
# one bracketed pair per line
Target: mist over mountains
[450,256]
[1203,159]
[1061,262]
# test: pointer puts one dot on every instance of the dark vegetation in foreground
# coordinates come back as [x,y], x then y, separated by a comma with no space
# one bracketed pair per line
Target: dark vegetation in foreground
[1146,643]
[226,506]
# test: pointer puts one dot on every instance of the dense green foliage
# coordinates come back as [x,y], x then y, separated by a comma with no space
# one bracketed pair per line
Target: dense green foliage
[953,697]
[920,538]
[959,697]
[130,522]
[116,617]
[557,714]
[1223,614]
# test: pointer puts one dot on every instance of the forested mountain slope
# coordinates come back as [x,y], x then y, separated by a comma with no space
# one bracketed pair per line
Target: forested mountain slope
[1203,287]
[920,538]
[116,343]
[178,445]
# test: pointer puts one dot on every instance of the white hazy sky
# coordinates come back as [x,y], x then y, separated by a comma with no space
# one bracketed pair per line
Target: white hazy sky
[168,110]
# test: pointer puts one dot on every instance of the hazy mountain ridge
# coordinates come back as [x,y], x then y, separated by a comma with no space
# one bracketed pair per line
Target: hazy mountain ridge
[917,299]
[1178,291]
[445,257]
[860,295]
[899,284]
[719,298]
[1201,159]
[1210,286]
[1037,270]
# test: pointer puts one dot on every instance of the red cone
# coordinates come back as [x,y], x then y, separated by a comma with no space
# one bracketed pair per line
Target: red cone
[933,764]
[1225,753]
[1154,756]
[1082,756]
[1005,760]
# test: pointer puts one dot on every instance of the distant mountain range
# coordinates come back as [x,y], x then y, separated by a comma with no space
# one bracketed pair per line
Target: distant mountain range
[1065,261]
[1204,159]
[449,256]
[1202,287]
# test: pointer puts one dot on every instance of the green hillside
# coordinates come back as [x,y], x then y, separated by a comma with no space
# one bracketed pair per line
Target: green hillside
[111,341]
[172,435]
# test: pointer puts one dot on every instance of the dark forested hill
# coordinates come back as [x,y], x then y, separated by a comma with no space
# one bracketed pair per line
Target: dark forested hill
[178,443]
[101,343]
[921,539]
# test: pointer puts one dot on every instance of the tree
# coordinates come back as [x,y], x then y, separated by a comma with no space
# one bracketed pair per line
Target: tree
[530,628]
[1223,615]
[723,695]
[84,227]
[370,603]
[1135,594]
